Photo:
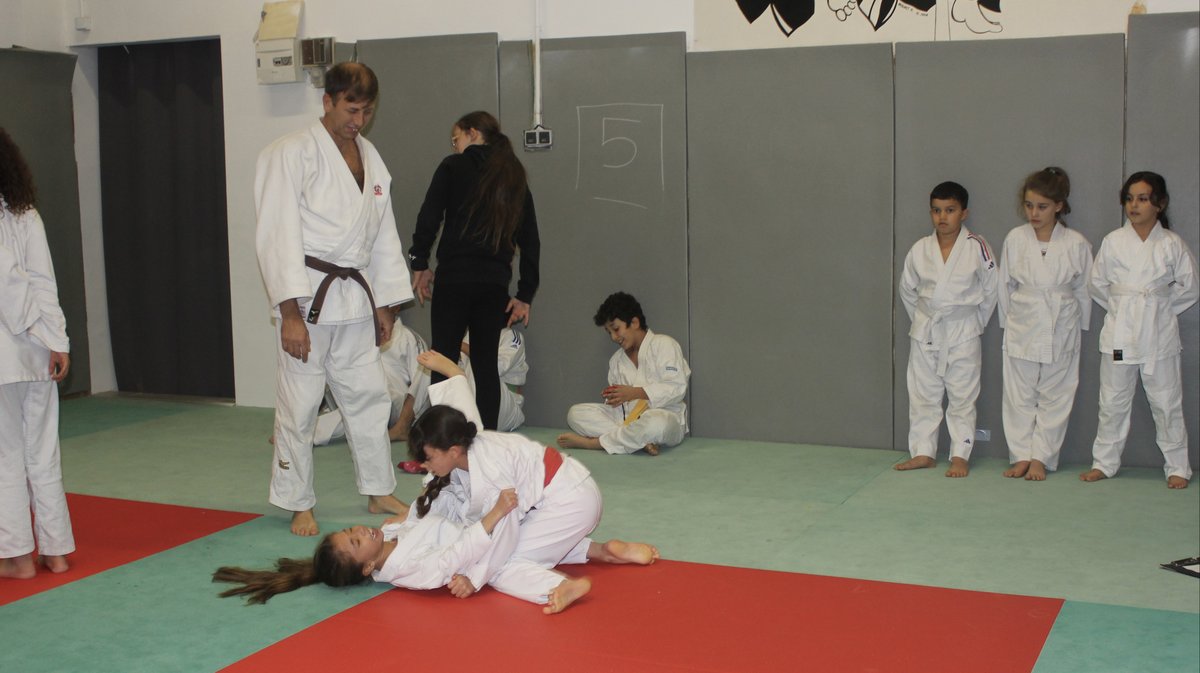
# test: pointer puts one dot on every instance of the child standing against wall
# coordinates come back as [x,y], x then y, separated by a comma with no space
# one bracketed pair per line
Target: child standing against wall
[948,287]
[33,359]
[647,380]
[1044,304]
[1144,276]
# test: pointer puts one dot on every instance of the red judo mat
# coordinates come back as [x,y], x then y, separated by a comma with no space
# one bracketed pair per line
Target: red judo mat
[111,532]
[675,617]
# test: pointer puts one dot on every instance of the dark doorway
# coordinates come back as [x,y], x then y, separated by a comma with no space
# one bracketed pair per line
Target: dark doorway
[162,162]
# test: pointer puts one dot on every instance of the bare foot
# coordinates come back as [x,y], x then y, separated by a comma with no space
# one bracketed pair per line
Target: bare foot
[385,504]
[569,591]
[18,568]
[1176,482]
[398,432]
[570,440]
[1037,471]
[304,524]
[920,462]
[55,564]
[1092,475]
[1018,469]
[436,362]
[652,449]
[958,468]
[619,551]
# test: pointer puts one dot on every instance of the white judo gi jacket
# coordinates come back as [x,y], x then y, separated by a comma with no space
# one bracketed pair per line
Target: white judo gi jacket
[430,551]
[309,203]
[1143,285]
[31,326]
[31,321]
[951,301]
[404,375]
[500,460]
[661,371]
[1043,300]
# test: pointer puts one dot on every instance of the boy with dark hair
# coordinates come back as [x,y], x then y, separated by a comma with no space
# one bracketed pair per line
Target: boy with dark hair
[948,288]
[643,404]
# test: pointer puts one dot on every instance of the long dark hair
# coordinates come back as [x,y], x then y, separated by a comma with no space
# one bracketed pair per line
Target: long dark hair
[1158,193]
[499,199]
[16,182]
[326,566]
[440,427]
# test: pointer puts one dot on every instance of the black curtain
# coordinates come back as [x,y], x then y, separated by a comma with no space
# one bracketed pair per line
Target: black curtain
[162,162]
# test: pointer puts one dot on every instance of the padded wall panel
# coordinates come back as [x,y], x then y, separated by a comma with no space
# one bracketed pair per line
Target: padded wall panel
[425,85]
[790,201]
[610,196]
[1162,134]
[986,114]
[37,112]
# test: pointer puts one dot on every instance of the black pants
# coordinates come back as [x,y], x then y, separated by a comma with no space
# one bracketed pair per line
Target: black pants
[479,308]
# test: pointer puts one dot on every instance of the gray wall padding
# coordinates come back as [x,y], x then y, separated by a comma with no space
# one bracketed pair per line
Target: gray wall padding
[36,109]
[1162,128]
[610,196]
[425,85]
[790,172]
[986,114]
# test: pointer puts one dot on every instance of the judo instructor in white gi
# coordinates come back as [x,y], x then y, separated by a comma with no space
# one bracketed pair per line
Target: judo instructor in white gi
[333,265]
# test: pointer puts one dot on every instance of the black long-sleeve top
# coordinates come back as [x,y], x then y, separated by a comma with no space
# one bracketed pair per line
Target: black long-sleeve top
[464,256]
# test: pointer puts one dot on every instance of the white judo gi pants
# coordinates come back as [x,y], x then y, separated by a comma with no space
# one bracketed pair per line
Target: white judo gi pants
[31,472]
[329,425]
[346,357]
[926,387]
[654,426]
[1164,392]
[551,534]
[1038,398]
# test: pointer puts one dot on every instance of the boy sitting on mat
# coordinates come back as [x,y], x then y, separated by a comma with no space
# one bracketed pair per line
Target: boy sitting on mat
[643,404]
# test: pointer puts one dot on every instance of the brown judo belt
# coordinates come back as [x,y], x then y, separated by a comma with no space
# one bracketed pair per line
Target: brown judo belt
[331,272]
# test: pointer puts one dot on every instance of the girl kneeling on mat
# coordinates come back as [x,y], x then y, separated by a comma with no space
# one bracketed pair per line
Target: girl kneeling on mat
[559,502]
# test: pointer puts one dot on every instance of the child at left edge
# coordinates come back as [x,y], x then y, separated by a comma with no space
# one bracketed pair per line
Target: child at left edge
[34,358]
[948,287]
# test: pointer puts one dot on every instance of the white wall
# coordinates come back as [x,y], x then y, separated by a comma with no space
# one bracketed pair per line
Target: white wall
[256,114]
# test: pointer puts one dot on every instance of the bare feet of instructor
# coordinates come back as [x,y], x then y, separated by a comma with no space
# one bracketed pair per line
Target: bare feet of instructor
[304,524]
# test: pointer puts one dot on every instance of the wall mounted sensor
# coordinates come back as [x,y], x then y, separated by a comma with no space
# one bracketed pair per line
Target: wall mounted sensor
[538,138]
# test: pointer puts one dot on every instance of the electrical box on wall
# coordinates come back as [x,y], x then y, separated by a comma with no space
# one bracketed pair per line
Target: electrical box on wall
[538,138]
[316,52]
[277,49]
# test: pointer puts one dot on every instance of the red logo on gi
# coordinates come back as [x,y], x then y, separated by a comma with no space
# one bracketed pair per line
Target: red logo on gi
[378,190]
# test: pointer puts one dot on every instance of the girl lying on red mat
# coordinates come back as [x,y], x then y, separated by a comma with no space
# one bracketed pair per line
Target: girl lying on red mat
[523,533]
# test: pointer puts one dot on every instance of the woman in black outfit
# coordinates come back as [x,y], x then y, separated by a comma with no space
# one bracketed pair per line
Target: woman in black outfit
[479,197]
